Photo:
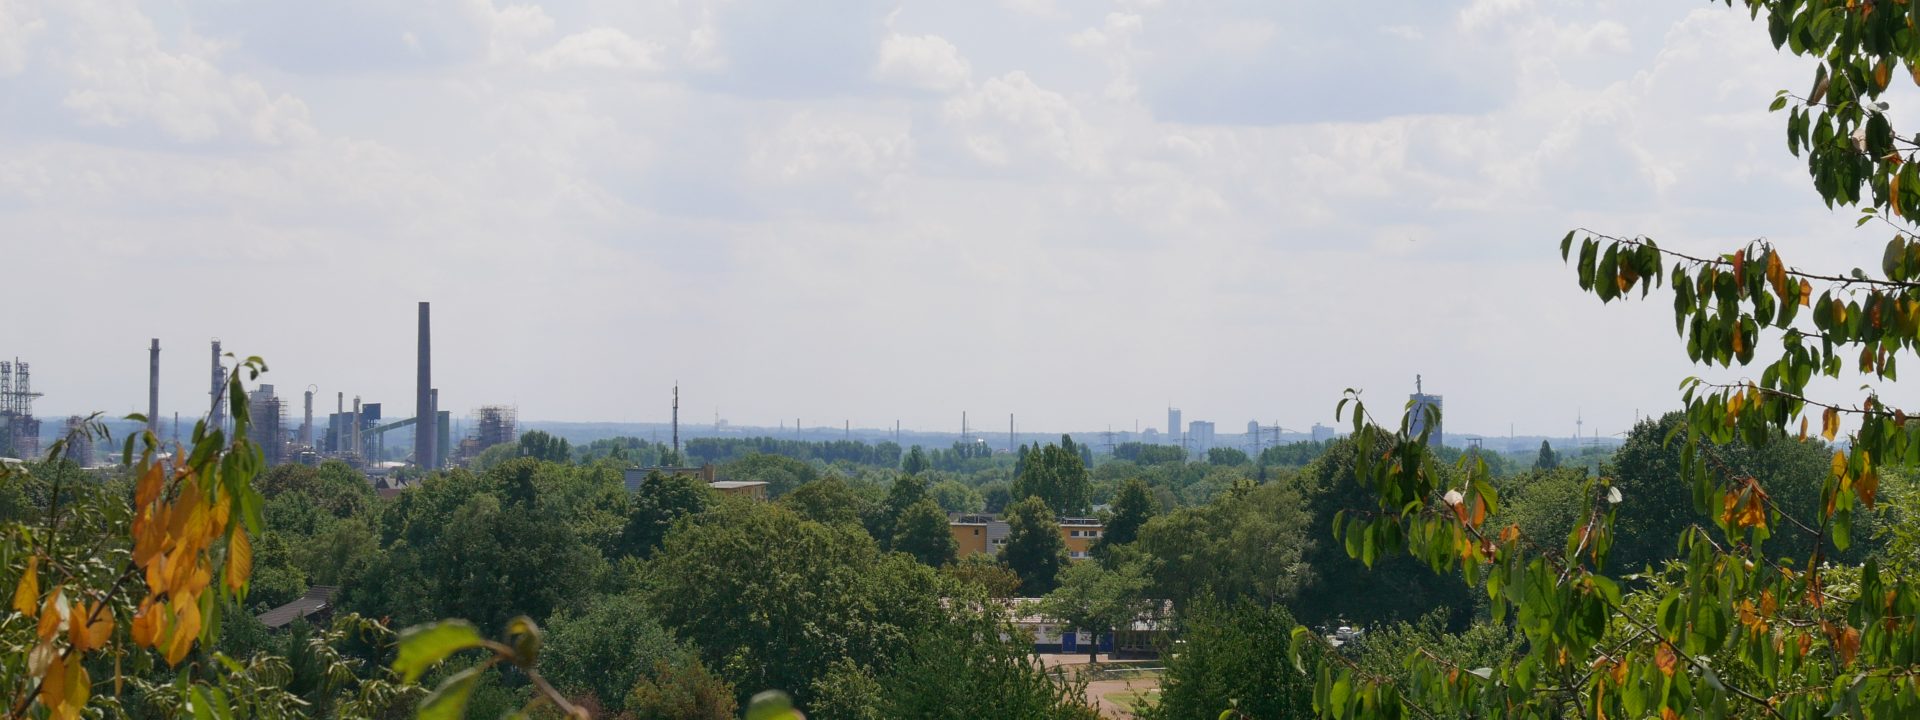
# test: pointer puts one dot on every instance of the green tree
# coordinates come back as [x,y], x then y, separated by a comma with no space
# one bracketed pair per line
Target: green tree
[1231,457]
[604,650]
[955,497]
[1058,476]
[781,474]
[922,532]
[661,500]
[1133,506]
[541,446]
[485,548]
[1094,599]
[1148,454]
[996,496]
[984,572]
[1547,460]
[906,491]
[276,580]
[681,689]
[1395,588]
[974,664]
[915,462]
[1034,550]
[1233,656]
[828,500]
[773,600]
[1250,544]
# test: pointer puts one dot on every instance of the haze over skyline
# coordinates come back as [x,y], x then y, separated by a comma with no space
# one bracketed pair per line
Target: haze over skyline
[1074,212]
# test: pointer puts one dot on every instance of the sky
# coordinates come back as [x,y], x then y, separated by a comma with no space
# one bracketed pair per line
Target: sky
[1074,211]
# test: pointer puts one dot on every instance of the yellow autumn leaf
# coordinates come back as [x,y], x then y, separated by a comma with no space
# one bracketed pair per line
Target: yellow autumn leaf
[148,489]
[26,595]
[145,629]
[1866,486]
[53,685]
[53,614]
[1776,274]
[79,687]
[1830,424]
[239,560]
[186,627]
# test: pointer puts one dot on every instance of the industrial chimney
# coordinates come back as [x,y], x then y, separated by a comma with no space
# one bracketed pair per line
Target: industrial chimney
[153,389]
[425,419]
[217,417]
[306,425]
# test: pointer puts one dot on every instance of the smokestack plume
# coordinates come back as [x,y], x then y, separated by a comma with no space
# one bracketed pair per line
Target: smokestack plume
[153,388]
[425,420]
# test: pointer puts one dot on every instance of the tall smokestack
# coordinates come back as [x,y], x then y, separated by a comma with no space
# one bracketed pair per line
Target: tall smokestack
[424,417]
[306,426]
[153,388]
[355,435]
[433,398]
[217,417]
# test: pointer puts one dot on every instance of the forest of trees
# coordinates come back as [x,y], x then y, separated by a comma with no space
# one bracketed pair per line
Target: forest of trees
[674,601]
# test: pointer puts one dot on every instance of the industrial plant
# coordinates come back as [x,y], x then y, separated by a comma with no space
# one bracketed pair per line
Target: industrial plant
[356,434]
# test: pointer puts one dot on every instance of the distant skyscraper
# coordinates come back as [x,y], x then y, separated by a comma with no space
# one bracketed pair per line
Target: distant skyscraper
[1200,434]
[1418,403]
[1173,425]
[1322,433]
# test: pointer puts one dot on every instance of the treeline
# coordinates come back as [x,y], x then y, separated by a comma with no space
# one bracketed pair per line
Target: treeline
[885,453]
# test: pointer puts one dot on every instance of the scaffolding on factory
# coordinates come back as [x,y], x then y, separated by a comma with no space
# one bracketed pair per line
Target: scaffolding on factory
[19,430]
[493,425]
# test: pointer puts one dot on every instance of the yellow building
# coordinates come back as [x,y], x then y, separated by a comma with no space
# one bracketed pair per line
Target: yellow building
[976,533]
[1080,534]
[970,532]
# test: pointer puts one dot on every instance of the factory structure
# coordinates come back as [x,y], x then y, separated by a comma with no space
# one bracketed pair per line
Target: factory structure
[19,430]
[356,435]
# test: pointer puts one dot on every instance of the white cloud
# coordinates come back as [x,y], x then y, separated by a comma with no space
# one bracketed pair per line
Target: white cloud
[603,47]
[1481,13]
[121,74]
[17,31]
[1011,120]
[512,29]
[924,62]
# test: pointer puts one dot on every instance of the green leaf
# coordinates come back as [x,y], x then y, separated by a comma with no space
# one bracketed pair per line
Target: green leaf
[1300,635]
[524,636]
[423,646]
[449,701]
[772,705]
[202,707]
